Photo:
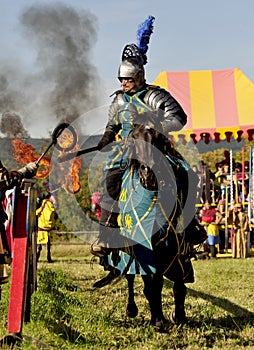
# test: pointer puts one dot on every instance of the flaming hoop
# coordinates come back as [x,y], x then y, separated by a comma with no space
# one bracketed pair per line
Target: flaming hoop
[64,138]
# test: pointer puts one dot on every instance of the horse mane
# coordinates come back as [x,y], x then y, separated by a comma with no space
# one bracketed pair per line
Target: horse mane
[145,137]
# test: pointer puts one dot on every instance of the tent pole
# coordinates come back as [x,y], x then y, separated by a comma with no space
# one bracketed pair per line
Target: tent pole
[243,176]
[226,220]
[231,178]
[207,183]
[251,183]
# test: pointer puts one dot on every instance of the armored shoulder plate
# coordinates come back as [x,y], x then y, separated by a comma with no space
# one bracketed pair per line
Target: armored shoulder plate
[174,117]
[116,104]
[159,98]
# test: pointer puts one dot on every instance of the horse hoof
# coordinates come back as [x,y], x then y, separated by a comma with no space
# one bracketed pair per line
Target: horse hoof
[108,279]
[99,250]
[159,325]
[178,318]
[131,310]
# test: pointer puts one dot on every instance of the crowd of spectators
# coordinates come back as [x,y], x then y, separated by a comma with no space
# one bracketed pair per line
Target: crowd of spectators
[223,203]
[228,182]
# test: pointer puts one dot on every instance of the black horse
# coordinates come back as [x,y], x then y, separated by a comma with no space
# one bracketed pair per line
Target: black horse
[156,205]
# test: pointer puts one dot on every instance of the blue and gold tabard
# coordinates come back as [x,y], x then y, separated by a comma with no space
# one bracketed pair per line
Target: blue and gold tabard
[116,158]
[154,236]
[138,208]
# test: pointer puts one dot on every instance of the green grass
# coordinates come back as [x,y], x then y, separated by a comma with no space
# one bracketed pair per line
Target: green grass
[68,313]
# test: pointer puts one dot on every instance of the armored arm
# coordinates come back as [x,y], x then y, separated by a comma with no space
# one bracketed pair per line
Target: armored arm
[173,117]
[9,179]
[112,127]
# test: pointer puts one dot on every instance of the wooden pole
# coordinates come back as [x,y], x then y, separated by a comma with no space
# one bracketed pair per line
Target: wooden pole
[207,183]
[243,176]
[231,178]
[226,221]
[236,189]
[19,267]
[251,184]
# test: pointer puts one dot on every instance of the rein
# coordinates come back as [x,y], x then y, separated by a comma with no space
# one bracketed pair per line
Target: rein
[124,148]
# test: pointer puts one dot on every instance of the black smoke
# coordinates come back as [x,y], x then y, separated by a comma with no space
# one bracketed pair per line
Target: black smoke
[64,82]
[11,125]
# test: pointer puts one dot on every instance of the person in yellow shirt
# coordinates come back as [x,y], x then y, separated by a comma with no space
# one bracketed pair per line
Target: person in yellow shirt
[46,223]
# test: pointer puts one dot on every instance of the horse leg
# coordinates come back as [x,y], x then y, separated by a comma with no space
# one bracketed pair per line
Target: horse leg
[152,290]
[178,314]
[131,309]
[113,273]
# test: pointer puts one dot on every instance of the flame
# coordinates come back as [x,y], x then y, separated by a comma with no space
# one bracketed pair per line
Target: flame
[25,153]
[65,139]
[44,168]
[72,183]
[71,174]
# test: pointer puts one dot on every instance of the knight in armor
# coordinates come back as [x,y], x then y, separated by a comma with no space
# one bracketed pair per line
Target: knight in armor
[135,97]
[8,180]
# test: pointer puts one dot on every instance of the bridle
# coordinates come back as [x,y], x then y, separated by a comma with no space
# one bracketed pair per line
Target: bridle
[144,155]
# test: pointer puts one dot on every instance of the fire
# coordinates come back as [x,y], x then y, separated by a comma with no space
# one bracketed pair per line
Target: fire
[25,153]
[71,171]
[66,139]
[72,184]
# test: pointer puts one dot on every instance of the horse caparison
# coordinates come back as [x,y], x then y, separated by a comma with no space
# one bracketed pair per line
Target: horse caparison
[149,148]
[155,171]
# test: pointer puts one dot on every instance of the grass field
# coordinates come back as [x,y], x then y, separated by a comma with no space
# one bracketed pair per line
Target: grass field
[68,313]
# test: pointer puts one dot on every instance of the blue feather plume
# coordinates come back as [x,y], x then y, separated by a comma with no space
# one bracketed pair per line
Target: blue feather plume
[143,35]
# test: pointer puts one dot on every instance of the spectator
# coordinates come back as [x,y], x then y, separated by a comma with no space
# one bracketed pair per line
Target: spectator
[95,204]
[221,207]
[207,179]
[199,185]
[223,177]
[241,229]
[227,160]
[219,177]
[211,217]
[46,223]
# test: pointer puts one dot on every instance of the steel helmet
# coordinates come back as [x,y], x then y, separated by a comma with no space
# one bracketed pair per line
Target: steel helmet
[131,69]
[132,65]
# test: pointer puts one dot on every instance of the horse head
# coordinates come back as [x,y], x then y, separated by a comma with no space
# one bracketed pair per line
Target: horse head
[146,147]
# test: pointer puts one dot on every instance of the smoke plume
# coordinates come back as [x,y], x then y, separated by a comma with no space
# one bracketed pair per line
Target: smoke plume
[64,83]
[11,125]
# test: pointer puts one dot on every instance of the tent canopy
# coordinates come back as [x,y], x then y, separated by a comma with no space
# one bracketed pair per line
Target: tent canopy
[219,103]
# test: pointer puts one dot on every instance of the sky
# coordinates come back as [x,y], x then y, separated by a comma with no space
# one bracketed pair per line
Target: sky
[41,81]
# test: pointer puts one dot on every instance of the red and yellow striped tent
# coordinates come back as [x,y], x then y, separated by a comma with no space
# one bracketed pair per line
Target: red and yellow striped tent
[219,103]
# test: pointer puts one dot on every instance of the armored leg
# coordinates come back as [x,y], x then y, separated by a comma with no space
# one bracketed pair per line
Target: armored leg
[109,236]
